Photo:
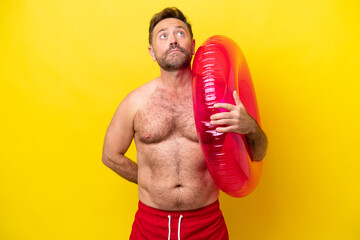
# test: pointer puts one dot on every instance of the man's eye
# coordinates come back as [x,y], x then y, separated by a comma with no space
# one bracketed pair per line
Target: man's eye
[180,34]
[162,36]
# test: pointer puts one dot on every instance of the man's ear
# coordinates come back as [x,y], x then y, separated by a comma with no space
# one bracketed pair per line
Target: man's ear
[152,53]
[193,47]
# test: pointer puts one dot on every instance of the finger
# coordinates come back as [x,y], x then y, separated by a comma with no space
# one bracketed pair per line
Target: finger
[226,129]
[223,122]
[220,115]
[237,99]
[227,106]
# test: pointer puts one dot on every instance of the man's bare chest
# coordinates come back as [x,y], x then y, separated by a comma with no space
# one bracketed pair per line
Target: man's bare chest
[163,116]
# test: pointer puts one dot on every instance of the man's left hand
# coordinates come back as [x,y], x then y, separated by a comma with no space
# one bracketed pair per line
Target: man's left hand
[237,119]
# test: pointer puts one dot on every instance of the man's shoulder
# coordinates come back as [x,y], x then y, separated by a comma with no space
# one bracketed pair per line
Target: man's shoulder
[140,95]
[147,88]
[144,90]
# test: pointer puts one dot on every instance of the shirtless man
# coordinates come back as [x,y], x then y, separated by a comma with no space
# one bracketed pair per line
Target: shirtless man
[177,196]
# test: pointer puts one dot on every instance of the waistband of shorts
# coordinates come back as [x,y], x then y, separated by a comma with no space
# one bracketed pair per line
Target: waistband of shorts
[213,208]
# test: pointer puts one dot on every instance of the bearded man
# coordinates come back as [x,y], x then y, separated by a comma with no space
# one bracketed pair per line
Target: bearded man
[178,199]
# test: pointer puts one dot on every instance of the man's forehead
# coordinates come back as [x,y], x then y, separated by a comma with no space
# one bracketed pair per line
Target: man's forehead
[168,23]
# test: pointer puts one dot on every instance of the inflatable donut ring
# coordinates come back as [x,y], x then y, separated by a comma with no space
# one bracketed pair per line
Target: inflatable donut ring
[219,68]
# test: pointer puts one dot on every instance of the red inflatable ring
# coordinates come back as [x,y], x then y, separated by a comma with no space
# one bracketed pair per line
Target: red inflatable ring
[219,68]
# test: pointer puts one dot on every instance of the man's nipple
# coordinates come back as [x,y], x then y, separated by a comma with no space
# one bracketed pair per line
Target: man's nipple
[147,136]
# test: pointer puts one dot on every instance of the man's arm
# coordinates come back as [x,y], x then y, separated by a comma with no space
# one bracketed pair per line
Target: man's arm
[257,142]
[118,139]
[239,121]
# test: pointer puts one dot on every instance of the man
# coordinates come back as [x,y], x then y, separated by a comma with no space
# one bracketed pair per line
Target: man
[178,198]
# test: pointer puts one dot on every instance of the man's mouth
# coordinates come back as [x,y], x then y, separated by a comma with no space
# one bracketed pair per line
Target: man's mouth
[176,49]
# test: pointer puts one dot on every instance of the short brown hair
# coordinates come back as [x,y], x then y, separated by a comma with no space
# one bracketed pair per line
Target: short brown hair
[172,12]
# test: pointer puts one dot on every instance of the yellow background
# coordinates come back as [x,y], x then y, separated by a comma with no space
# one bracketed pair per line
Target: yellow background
[65,65]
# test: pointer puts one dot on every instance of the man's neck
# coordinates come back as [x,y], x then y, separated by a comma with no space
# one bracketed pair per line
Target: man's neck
[177,79]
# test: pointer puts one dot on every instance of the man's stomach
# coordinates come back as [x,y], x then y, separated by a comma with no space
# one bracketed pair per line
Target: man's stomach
[173,196]
[174,177]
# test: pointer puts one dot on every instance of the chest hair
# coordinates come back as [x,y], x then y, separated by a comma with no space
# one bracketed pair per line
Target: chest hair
[166,114]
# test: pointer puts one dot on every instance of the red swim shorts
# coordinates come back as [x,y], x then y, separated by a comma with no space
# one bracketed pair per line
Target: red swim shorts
[205,223]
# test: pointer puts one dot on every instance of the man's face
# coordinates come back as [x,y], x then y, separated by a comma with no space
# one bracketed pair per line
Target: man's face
[172,46]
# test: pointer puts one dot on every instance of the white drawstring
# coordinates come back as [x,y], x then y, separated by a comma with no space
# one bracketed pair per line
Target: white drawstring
[179,226]
[169,227]
[169,217]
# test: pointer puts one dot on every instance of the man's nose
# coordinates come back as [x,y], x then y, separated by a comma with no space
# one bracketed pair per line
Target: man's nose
[173,41]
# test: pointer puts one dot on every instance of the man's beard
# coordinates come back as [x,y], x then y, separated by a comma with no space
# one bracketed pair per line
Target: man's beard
[177,63]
